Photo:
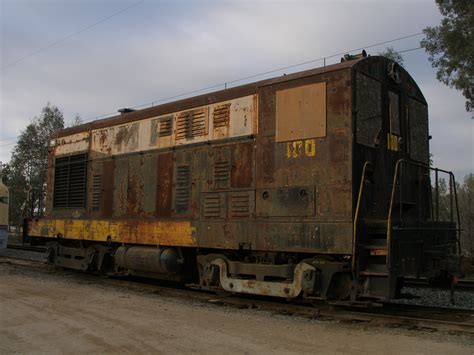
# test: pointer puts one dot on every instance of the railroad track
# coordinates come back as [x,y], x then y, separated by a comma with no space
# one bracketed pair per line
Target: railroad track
[462,284]
[442,319]
[38,249]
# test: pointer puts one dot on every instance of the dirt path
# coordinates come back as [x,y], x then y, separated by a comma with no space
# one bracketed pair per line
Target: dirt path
[65,312]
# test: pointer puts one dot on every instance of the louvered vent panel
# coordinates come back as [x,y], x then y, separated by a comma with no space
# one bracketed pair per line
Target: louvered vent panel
[70,175]
[96,192]
[61,182]
[221,174]
[183,187]
[221,116]
[240,205]
[166,125]
[212,206]
[191,124]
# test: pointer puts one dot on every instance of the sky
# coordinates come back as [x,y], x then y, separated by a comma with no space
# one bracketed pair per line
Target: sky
[92,57]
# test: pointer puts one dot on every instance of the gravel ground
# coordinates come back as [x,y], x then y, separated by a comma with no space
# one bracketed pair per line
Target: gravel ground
[437,298]
[48,311]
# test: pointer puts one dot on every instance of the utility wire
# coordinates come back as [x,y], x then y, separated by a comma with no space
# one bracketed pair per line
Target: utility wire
[55,43]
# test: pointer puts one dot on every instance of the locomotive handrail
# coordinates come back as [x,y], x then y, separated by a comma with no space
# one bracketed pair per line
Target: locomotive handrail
[356,216]
[452,192]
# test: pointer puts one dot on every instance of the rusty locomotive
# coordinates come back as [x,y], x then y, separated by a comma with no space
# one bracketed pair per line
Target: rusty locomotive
[315,184]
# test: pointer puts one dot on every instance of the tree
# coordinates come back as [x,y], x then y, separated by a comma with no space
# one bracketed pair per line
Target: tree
[465,196]
[26,173]
[451,47]
[392,54]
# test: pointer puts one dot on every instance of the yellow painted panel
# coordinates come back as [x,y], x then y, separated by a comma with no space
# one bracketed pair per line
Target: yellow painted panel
[301,112]
[179,233]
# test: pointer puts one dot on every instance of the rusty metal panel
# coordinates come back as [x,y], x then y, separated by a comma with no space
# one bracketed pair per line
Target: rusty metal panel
[265,162]
[301,112]
[108,174]
[135,196]
[242,165]
[334,202]
[74,143]
[164,184]
[295,201]
[120,187]
[301,237]
[149,178]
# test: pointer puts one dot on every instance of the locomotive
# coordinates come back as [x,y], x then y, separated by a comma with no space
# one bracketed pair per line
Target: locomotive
[313,185]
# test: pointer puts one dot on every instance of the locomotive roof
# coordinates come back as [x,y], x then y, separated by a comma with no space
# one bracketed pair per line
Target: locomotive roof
[206,99]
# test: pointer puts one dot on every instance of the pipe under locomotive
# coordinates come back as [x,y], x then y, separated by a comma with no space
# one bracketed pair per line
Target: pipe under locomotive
[315,184]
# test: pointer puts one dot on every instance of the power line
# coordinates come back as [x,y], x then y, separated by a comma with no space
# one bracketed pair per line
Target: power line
[71,35]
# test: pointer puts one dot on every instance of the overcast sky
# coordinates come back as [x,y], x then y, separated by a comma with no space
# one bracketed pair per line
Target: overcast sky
[158,49]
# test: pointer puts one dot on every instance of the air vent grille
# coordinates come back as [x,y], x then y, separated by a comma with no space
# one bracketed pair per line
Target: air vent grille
[221,174]
[166,126]
[183,188]
[212,206]
[191,124]
[96,192]
[240,205]
[221,116]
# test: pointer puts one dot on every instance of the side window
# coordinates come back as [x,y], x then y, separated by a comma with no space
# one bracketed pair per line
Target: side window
[301,112]
[418,121]
[394,113]
[369,111]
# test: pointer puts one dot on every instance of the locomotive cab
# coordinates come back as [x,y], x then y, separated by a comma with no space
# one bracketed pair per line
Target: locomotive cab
[398,229]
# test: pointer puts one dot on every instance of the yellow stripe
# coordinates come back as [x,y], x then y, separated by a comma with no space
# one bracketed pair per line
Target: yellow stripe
[179,233]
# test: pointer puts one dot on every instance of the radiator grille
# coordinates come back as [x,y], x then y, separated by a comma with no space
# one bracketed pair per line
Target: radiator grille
[240,205]
[221,116]
[191,124]
[70,175]
[183,188]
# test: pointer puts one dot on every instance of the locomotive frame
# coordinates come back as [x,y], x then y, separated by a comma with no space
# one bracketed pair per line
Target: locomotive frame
[314,184]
